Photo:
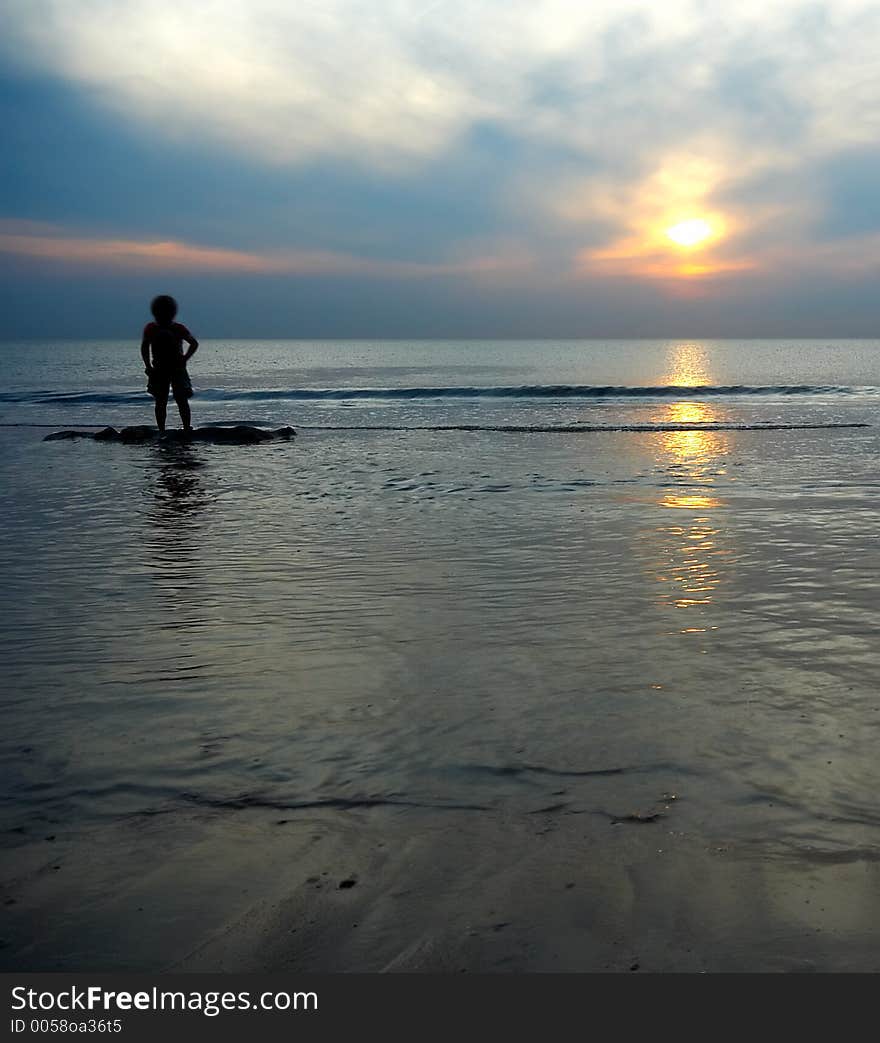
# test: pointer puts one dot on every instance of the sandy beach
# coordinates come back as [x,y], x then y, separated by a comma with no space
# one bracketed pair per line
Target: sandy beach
[450,891]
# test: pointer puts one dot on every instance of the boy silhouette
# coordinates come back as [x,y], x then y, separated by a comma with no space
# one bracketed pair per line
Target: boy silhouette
[165,360]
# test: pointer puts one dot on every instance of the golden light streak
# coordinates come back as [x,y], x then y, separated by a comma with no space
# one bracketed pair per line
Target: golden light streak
[690,556]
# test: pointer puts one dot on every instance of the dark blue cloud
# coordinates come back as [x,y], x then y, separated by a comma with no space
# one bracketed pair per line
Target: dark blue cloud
[65,162]
[751,90]
[848,185]
[71,163]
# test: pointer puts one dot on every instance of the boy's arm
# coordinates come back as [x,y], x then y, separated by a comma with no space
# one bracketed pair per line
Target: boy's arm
[193,345]
[145,352]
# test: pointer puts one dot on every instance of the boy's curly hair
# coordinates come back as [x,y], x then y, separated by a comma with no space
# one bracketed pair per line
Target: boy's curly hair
[163,307]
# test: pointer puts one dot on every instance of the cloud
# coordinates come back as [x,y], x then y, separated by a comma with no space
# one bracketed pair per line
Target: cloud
[288,82]
[540,140]
[384,81]
[29,240]
[847,184]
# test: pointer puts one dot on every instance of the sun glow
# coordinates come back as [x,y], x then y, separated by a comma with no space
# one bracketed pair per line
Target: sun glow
[690,233]
[669,226]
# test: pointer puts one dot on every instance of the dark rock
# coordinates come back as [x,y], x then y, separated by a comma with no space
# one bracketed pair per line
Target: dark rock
[349,882]
[58,436]
[638,816]
[238,434]
[139,433]
[241,434]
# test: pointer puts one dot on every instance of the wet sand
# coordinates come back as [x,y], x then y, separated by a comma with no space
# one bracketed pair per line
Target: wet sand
[450,891]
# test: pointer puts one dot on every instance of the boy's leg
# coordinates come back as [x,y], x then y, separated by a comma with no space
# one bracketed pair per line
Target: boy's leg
[185,415]
[161,408]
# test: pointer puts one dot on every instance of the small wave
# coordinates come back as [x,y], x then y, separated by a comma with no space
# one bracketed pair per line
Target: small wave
[522,428]
[527,391]
[246,801]
[577,428]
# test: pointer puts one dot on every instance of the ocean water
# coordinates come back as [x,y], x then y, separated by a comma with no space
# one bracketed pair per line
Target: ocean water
[436,383]
[494,578]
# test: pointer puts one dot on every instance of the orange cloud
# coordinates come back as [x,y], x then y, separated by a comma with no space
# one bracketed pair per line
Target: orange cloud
[651,264]
[130,253]
[171,255]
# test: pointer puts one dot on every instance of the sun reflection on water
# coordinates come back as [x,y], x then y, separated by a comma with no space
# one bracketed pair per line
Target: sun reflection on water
[692,503]
[689,553]
[688,565]
[687,365]
[697,454]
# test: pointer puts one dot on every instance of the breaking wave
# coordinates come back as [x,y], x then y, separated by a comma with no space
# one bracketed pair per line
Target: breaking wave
[527,391]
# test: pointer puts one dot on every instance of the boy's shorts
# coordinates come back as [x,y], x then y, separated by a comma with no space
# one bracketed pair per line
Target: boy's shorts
[177,379]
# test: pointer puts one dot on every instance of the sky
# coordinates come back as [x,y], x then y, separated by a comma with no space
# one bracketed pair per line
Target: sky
[455,168]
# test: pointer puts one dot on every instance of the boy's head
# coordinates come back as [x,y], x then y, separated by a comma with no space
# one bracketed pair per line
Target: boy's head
[164,308]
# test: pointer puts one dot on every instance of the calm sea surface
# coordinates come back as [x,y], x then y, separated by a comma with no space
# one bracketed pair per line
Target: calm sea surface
[505,620]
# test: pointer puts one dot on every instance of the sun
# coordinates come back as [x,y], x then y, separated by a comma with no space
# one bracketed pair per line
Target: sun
[690,233]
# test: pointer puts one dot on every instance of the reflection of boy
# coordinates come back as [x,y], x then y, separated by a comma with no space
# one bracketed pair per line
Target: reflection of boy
[165,360]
